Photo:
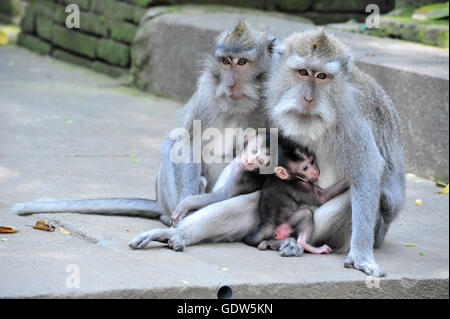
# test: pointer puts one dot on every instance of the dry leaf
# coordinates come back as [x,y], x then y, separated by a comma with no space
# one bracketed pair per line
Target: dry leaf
[444,190]
[127,229]
[64,231]
[418,202]
[7,230]
[44,225]
[4,239]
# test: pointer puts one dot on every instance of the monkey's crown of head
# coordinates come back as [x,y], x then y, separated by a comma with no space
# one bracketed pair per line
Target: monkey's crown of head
[318,43]
[242,39]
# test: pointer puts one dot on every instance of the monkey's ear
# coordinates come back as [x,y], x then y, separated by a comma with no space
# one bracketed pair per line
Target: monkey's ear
[281,172]
[271,44]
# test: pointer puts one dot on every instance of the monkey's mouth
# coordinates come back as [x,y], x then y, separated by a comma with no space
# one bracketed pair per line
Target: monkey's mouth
[236,97]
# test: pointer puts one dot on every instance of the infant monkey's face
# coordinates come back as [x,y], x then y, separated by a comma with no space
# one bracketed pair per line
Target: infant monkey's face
[307,169]
[256,154]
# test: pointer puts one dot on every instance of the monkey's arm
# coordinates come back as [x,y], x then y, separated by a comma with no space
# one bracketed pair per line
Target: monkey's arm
[324,195]
[196,202]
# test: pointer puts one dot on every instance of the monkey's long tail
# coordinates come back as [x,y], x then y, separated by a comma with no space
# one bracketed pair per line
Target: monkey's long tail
[104,206]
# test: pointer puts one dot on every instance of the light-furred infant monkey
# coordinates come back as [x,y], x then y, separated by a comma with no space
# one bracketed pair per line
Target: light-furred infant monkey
[228,96]
[289,196]
[244,177]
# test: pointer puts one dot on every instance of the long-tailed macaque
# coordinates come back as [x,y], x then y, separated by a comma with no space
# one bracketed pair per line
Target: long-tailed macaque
[318,97]
[228,96]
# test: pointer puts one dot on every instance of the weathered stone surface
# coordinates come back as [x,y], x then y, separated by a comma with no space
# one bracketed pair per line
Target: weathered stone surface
[351,5]
[71,58]
[109,69]
[123,31]
[115,9]
[34,43]
[113,52]
[74,41]
[95,24]
[44,27]
[82,4]
[431,34]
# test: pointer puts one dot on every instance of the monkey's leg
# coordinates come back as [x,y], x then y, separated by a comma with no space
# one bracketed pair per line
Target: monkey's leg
[176,181]
[196,202]
[391,201]
[304,227]
[365,204]
[229,220]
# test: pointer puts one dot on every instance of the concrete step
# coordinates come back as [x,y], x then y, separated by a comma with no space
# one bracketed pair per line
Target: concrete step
[68,132]
[167,56]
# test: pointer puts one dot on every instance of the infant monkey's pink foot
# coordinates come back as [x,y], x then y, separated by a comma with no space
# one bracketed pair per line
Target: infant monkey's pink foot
[323,250]
[283,231]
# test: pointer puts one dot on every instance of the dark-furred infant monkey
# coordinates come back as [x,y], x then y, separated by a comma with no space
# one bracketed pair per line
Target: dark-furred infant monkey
[287,198]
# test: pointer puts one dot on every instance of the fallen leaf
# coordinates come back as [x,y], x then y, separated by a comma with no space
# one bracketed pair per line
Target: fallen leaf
[4,239]
[64,231]
[422,253]
[133,156]
[68,121]
[410,245]
[185,282]
[224,269]
[136,161]
[418,202]
[4,39]
[127,229]
[44,225]
[7,230]
[444,190]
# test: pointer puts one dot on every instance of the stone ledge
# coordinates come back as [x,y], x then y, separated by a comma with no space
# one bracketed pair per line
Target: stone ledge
[167,48]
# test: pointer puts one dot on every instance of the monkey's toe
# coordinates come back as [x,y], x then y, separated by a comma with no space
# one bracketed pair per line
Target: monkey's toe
[369,268]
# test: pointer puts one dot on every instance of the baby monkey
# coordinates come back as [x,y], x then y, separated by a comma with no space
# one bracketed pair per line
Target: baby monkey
[287,197]
[242,177]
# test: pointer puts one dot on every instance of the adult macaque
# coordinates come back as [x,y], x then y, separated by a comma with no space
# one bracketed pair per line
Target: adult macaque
[228,95]
[318,97]
[289,196]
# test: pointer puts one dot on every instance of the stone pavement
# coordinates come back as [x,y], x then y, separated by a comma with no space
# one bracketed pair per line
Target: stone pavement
[66,132]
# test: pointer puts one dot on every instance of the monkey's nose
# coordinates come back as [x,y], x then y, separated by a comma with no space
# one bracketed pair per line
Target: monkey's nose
[308,100]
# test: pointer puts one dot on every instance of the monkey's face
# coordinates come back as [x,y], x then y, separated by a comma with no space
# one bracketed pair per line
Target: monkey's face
[255,155]
[308,169]
[306,85]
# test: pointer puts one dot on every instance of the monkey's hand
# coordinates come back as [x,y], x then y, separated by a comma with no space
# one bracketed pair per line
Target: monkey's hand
[143,239]
[366,264]
[179,212]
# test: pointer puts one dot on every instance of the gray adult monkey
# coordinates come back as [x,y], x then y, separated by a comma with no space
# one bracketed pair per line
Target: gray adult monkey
[318,97]
[228,95]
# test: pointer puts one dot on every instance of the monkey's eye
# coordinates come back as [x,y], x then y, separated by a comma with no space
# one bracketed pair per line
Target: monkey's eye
[303,72]
[226,60]
[305,168]
[312,162]
[321,76]
[242,61]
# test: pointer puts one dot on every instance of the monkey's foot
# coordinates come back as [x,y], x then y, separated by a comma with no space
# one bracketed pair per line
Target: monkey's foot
[290,248]
[176,243]
[370,268]
[143,239]
[178,214]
